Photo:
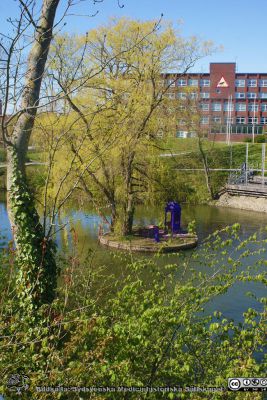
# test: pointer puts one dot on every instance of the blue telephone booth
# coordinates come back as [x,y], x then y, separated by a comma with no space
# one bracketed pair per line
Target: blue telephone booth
[173,217]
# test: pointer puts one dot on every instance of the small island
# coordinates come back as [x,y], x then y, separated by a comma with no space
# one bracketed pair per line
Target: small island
[152,238]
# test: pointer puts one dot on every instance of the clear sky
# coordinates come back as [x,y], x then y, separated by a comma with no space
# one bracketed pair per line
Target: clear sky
[240,26]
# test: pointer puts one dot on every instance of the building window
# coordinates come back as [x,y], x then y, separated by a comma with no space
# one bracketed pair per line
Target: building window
[216,120]
[171,82]
[228,120]
[263,120]
[252,82]
[171,96]
[263,95]
[263,83]
[228,106]
[192,82]
[193,95]
[216,107]
[181,82]
[240,107]
[252,120]
[240,120]
[181,122]
[264,107]
[253,107]
[240,95]
[205,82]
[251,95]
[181,134]
[205,95]
[240,82]
[181,95]
[204,120]
[204,106]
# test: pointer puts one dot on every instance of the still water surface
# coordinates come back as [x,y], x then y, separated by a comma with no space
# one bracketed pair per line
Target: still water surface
[208,219]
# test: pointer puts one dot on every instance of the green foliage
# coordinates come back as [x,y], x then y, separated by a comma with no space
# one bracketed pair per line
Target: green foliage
[146,328]
[35,255]
[260,139]
[191,227]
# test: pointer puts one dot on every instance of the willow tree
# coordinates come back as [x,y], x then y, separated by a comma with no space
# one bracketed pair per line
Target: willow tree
[124,106]
[21,86]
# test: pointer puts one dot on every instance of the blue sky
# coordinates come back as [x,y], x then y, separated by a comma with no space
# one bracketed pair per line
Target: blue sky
[240,26]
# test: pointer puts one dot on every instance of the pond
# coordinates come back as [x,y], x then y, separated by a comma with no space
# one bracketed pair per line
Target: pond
[208,219]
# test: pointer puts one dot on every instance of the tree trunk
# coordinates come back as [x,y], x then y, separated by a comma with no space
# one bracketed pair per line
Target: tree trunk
[128,208]
[206,169]
[37,275]
[35,255]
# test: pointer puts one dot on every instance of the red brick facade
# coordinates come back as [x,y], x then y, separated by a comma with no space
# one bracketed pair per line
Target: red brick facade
[230,101]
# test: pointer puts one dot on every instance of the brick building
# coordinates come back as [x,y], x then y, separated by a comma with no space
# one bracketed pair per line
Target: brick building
[230,103]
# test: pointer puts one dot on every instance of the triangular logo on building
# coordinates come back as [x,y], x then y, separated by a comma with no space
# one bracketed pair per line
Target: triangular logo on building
[222,83]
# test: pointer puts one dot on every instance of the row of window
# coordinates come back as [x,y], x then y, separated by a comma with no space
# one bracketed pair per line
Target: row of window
[251,82]
[188,82]
[238,120]
[206,82]
[238,107]
[206,95]
[250,95]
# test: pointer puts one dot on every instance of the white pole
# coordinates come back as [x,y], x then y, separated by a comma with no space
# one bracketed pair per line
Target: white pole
[263,163]
[246,173]
[226,140]
[230,119]
[253,125]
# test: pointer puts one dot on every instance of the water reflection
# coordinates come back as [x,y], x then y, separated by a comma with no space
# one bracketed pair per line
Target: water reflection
[83,224]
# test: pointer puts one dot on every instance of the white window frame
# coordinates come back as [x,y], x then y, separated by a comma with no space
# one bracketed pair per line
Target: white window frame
[252,95]
[240,107]
[240,82]
[205,82]
[240,95]
[171,82]
[227,106]
[204,106]
[240,120]
[263,95]
[264,107]
[193,95]
[252,82]
[192,82]
[181,95]
[263,121]
[181,134]
[263,83]
[204,120]
[181,82]
[216,120]
[205,95]
[230,119]
[171,95]
[253,107]
[252,120]
[216,106]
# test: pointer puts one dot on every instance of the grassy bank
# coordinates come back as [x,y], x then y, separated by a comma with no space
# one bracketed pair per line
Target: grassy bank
[32,155]
[185,167]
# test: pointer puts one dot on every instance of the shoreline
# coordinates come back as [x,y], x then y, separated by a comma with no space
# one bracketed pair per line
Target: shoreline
[248,203]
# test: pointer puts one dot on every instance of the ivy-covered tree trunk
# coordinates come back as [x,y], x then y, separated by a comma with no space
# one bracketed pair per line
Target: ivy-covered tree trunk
[35,256]
[37,274]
